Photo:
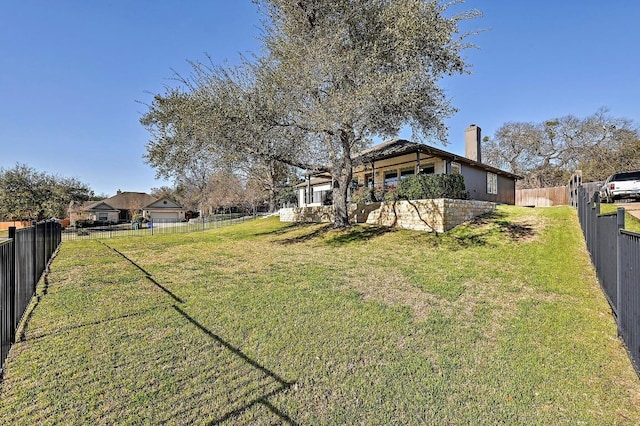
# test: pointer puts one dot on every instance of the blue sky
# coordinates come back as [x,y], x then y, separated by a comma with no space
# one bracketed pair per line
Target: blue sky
[73,73]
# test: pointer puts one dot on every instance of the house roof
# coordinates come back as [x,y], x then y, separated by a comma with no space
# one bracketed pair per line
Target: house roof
[316,180]
[130,200]
[120,201]
[396,147]
[163,204]
[100,206]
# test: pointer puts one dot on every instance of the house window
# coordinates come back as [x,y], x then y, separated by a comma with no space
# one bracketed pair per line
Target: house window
[391,178]
[406,173]
[103,216]
[428,169]
[321,197]
[455,168]
[492,183]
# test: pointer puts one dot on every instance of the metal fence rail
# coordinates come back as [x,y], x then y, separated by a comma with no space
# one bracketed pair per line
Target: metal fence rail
[153,228]
[629,292]
[23,260]
[7,272]
[615,254]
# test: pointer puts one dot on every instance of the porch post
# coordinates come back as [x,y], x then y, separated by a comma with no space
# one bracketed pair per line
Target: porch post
[373,175]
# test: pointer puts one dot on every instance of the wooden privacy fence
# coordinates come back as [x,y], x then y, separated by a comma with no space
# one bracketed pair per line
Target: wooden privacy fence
[24,256]
[543,197]
[557,195]
[615,254]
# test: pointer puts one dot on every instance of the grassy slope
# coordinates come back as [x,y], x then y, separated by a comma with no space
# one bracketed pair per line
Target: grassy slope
[499,321]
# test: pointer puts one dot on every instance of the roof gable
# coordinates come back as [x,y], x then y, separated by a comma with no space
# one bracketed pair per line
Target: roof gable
[100,206]
[163,203]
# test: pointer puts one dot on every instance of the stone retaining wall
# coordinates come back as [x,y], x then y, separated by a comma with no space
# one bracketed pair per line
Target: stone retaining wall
[437,215]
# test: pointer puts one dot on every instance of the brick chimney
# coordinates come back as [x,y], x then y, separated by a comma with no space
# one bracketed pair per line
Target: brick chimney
[472,137]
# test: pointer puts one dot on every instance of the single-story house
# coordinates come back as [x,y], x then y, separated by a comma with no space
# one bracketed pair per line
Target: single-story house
[129,203]
[384,165]
[93,210]
[123,206]
[163,210]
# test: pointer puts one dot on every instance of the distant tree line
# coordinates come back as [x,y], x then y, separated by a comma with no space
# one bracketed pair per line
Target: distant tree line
[226,191]
[546,154]
[28,194]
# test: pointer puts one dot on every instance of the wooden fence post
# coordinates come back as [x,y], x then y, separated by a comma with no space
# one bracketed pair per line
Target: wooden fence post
[574,184]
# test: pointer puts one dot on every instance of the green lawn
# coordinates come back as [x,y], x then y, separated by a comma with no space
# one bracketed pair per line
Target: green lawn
[500,321]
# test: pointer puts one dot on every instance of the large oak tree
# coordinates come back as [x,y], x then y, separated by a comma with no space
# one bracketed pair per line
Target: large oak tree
[333,75]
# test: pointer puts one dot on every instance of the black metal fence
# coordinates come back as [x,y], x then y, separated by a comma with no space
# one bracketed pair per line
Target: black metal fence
[23,259]
[615,254]
[137,229]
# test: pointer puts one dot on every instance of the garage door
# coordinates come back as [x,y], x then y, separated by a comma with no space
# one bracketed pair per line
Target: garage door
[164,217]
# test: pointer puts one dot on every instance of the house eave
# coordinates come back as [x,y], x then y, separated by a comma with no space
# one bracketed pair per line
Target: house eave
[388,150]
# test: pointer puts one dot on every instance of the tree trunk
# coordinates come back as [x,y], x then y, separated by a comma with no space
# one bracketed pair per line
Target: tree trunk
[342,175]
[272,186]
[272,201]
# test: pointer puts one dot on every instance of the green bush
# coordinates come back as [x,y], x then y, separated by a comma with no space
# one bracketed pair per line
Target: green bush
[432,186]
[363,195]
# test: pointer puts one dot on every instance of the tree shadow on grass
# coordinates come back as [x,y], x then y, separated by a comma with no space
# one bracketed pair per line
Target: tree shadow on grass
[485,219]
[337,237]
[303,237]
[516,231]
[249,384]
[285,229]
[476,233]
[481,231]
[357,234]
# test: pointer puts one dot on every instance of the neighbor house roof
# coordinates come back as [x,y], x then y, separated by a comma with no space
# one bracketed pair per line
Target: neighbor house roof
[163,204]
[100,206]
[120,201]
[130,200]
[85,206]
[397,147]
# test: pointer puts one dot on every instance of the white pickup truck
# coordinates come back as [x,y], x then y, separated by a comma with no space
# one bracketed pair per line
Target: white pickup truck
[621,185]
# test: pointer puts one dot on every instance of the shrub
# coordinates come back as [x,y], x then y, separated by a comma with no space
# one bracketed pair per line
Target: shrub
[391,194]
[432,186]
[363,195]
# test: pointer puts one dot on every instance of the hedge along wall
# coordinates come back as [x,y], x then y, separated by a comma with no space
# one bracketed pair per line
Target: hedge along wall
[437,215]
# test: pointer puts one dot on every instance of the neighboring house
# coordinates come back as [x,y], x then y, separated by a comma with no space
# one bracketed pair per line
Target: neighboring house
[384,165]
[163,210]
[129,203]
[93,210]
[123,206]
